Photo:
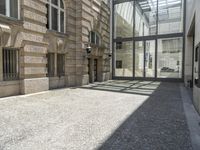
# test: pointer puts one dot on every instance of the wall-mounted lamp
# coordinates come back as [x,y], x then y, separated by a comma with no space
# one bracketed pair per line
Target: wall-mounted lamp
[89,49]
[110,55]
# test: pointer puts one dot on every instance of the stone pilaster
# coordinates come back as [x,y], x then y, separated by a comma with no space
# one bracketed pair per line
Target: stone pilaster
[34,48]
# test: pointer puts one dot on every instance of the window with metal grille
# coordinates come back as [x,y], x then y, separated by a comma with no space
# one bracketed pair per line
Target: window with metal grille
[10,64]
[61,64]
[51,64]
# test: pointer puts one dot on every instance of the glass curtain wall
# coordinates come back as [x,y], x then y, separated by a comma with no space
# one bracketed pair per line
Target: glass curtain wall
[170,52]
[124,59]
[139,59]
[148,35]
[123,20]
[145,17]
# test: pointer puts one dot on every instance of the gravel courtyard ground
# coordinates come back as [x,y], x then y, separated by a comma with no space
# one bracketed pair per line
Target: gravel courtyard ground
[115,115]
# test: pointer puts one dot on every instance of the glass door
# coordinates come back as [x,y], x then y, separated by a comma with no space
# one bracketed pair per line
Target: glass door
[145,59]
[139,59]
[150,58]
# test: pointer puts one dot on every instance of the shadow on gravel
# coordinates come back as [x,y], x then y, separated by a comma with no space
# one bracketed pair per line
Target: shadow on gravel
[159,124]
[129,87]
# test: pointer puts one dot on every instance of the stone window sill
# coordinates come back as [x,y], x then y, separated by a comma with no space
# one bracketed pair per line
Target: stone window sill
[5,83]
[56,33]
[10,20]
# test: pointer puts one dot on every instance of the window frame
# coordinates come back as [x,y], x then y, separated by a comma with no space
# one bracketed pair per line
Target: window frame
[60,69]
[50,56]
[8,9]
[49,16]
[119,64]
[97,43]
[10,63]
[197,60]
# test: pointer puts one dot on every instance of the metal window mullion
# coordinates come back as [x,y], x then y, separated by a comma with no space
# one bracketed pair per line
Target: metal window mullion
[64,20]
[113,48]
[4,63]
[157,18]
[19,8]
[14,64]
[11,64]
[133,39]
[8,62]
[17,63]
[184,38]
[50,15]
[144,72]
[59,26]
[156,57]
[156,50]
[7,8]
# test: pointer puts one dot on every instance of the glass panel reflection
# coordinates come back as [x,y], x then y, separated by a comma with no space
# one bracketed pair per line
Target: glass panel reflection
[145,17]
[150,59]
[123,20]
[139,59]
[170,16]
[124,59]
[170,58]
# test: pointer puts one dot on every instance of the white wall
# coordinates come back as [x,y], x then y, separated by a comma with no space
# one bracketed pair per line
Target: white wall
[192,12]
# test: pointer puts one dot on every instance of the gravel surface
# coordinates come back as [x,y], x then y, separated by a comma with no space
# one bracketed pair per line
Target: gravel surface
[115,115]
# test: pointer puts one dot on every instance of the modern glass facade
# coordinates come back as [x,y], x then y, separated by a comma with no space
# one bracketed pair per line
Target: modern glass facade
[148,38]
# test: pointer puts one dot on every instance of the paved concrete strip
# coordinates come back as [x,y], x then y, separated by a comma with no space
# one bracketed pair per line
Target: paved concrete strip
[193,119]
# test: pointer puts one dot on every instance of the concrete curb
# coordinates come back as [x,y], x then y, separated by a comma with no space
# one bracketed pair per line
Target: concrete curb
[193,118]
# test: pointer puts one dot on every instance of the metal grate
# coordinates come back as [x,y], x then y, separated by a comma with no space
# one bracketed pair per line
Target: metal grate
[10,64]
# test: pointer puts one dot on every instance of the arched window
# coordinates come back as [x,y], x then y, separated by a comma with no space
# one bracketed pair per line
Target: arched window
[9,8]
[94,38]
[56,15]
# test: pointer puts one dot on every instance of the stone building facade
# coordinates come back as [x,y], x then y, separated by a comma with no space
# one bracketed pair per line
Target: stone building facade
[43,44]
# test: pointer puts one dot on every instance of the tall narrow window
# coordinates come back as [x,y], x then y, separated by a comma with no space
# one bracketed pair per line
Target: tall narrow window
[10,64]
[56,15]
[94,38]
[51,64]
[3,7]
[10,8]
[60,64]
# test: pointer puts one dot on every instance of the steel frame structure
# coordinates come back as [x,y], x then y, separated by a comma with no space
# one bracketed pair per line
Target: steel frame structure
[145,38]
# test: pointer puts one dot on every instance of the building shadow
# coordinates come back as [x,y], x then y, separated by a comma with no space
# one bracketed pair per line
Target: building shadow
[158,124]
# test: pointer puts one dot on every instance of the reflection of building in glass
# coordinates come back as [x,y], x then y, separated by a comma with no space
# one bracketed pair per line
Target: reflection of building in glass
[142,22]
[170,57]
[124,59]
[124,19]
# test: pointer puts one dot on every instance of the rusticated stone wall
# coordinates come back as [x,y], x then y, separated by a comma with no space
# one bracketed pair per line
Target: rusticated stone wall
[35,41]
